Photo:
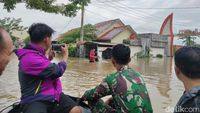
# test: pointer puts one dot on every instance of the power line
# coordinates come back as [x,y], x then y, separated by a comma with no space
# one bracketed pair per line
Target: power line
[140,12]
[70,21]
[96,14]
[153,8]
[135,16]
[125,12]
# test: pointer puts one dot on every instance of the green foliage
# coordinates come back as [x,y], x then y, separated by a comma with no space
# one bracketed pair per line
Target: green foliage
[11,25]
[73,35]
[197,45]
[159,56]
[175,49]
[189,41]
[72,50]
[27,40]
[126,41]
[49,6]
[144,53]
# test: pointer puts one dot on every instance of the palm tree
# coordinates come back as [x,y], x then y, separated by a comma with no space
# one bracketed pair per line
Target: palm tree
[189,40]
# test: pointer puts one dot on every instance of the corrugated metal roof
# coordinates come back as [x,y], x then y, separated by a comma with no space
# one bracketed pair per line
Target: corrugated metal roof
[114,32]
[102,26]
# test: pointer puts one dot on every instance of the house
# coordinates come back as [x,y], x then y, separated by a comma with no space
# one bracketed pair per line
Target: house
[158,44]
[102,49]
[104,27]
[109,33]
[113,31]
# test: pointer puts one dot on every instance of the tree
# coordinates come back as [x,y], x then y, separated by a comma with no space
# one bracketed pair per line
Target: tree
[188,37]
[73,35]
[11,25]
[27,40]
[189,41]
[49,6]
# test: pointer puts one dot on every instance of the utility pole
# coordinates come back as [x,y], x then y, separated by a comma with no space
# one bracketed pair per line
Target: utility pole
[81,49]
[82,21]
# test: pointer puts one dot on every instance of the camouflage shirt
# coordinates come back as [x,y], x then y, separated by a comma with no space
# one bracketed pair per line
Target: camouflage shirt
[189,102]
[128,91]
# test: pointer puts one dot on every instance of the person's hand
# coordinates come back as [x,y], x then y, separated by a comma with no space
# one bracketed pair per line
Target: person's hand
[83,98]
[65,53]
[109,100]
[51,55]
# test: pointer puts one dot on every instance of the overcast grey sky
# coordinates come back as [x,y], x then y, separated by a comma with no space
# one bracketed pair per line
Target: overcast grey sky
[140,14]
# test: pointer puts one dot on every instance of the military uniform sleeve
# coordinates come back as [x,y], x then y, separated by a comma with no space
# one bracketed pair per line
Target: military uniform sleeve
[97,92]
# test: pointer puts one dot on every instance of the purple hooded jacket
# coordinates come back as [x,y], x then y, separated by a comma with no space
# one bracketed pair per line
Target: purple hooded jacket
[38,77]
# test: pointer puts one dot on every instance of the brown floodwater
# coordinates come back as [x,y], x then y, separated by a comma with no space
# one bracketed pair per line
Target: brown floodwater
[163,86]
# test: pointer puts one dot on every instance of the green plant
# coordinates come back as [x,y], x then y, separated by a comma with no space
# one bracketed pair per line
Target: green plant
[72,50]
[159,56]
[189,41]
[126,41]
[12,24]
[73,35]
[141,54]
[70,9]
[27,40]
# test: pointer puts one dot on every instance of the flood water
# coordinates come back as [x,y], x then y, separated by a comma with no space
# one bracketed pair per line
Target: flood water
[163,86]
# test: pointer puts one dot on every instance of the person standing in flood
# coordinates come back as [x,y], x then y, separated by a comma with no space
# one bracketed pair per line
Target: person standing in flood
[92,55]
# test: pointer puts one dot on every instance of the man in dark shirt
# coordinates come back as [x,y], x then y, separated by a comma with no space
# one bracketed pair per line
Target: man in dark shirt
[187,68]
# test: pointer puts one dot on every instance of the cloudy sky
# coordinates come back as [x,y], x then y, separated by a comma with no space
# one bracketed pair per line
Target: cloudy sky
[143,15]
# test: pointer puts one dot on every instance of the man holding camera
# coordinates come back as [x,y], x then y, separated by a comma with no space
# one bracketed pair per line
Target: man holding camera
[41,88]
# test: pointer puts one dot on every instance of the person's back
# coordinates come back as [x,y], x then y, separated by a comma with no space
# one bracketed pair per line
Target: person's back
[41,90]
[36,75]
[128,90]
[187,68]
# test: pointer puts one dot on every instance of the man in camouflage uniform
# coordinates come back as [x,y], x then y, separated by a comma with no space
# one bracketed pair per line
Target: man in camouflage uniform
[187,68]
[127,87]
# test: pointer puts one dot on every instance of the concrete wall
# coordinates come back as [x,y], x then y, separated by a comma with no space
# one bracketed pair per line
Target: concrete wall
[121,36]
[135,49]
[100,50]
[154,51]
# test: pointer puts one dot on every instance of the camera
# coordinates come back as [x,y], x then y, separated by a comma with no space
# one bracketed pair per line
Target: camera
[57,47]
